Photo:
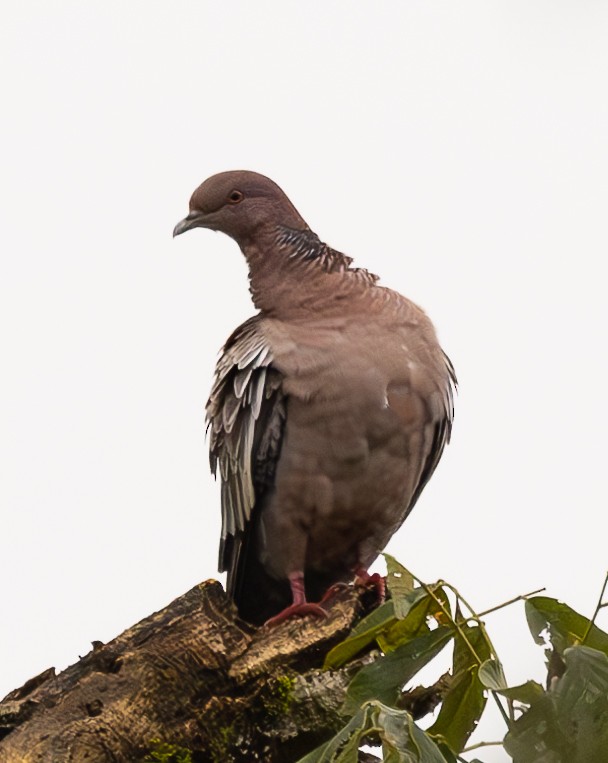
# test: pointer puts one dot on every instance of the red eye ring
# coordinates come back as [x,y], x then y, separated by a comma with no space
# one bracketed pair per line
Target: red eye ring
[235,197]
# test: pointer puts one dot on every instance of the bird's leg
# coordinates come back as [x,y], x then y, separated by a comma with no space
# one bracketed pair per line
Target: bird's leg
[300,606]
[372,581]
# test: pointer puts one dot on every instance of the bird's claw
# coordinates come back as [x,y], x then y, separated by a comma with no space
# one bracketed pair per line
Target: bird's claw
[375,581]
[299,610]
[332,591]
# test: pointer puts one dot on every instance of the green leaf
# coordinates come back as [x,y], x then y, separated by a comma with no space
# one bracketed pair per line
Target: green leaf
[373,627]
[527,693]
[491,675]
[383,679]
[570,723]
[582,702]
[465,700]
[447,753]
[402,741]
[566,627]
[400,583]
[364,634]
[585,680]
[344,746]
[422,606]
[537,737]
[402,631]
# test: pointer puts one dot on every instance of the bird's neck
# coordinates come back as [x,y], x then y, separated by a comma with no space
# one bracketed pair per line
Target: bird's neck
[291,271]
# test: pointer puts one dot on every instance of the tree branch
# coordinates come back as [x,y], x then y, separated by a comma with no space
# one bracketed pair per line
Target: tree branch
[192,675]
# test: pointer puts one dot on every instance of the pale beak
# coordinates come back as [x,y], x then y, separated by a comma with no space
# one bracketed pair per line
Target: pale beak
[193,220]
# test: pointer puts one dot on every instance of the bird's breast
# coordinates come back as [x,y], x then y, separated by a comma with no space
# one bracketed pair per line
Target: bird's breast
[361,408]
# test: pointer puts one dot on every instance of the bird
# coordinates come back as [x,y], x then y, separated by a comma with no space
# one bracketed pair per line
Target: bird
[329,411]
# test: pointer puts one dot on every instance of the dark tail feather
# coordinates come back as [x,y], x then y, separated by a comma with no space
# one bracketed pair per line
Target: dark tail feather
[257,595]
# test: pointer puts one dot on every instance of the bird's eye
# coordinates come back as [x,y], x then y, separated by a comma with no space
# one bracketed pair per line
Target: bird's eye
[235,197]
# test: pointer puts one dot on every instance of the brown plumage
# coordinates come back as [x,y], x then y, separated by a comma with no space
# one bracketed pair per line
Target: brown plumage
[330,408]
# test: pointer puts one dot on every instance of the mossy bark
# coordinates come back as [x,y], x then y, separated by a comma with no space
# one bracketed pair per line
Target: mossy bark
[194,679]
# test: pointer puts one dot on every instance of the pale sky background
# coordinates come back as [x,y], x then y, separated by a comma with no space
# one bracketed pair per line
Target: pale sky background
[458,149]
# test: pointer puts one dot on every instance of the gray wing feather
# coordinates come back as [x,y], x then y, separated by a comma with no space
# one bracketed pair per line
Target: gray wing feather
[245,414]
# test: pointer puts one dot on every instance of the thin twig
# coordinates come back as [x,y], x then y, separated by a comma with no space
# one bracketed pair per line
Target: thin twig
[446,612]
[508,720]
[474,616]
[482,744]
[510,717]
[600,604]
[522,597]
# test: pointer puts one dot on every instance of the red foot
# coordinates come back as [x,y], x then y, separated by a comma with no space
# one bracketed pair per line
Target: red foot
[301,610]
[372,581]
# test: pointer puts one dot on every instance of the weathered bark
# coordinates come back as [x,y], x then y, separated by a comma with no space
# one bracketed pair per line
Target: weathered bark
[192,675]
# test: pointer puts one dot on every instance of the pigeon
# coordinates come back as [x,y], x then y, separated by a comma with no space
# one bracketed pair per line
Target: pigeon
[329,411]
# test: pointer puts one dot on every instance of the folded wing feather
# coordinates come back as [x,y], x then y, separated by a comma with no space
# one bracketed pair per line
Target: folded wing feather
[245,414]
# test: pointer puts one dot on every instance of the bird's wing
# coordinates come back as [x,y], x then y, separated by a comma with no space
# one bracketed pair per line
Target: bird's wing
[246,415]
[440,436]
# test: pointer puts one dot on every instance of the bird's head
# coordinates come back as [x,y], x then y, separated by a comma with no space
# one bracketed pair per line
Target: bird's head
[239,203]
